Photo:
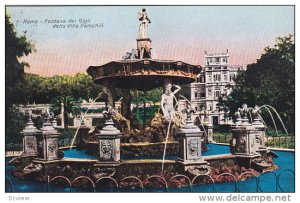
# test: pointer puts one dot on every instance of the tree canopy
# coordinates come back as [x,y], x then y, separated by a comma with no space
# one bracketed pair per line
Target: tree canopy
[44,89]
[15,47]
[271,81]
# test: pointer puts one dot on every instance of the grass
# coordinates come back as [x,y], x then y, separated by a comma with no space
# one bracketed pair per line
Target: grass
[282,141]
[221,137]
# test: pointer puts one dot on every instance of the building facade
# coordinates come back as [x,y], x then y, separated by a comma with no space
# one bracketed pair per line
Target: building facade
[213,82]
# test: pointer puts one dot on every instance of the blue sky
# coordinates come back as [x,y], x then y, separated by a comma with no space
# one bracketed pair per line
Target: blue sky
[177,33]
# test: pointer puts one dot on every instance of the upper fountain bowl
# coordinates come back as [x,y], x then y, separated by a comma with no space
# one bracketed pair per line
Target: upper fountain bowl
[143,74]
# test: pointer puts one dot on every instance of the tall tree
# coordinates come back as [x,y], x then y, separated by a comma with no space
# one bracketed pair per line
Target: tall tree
[15,47]
[271,80]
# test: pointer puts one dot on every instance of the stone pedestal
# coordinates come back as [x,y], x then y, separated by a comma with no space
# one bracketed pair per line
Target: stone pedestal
[260,132]
[144,47]
[209,131]
[48,143]
[30,146]
[109,143]
[190,146]
[244,140]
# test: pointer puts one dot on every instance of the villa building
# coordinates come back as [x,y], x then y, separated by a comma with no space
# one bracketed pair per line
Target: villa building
[214,81]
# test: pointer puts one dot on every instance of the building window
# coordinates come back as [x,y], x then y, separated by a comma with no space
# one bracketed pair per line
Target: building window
[209,76]
[217,59]
[217,93]
[202,94]
[217,77]
[225,77]
[209,92]
[196,95]
[224,60]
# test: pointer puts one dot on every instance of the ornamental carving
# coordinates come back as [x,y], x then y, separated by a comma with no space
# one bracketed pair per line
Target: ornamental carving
[30,143]
[52,146]
[106,148]
[193,147]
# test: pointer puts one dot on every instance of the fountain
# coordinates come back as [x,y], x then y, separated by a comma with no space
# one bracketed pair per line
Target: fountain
[121,144]
[248,140]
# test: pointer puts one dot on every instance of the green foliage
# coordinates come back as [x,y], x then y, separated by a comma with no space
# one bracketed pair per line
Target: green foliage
[17,123]
[15,47]
[149,114]
[44,89]
[271,80]
[152,95]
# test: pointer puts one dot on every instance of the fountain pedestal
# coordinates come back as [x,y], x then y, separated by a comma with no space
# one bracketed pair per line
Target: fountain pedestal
[109,144]
[209,131]
[260,129]
[144,47]
[30,146]
[48,143]
[248,139]
[190,146]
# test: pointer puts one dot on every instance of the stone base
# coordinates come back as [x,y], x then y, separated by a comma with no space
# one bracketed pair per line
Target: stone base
[185,165]
[144,48]
[28,155]
[107,164]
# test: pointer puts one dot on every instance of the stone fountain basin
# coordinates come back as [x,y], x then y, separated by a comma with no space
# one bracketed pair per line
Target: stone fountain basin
[143,74]
[140,149]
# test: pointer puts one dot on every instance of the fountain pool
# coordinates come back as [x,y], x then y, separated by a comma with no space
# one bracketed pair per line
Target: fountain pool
[280,180]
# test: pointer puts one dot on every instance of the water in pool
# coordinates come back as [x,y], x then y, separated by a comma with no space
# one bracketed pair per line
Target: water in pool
[267,181]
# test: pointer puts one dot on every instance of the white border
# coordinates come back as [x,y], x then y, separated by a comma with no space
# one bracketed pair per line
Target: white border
[124,197]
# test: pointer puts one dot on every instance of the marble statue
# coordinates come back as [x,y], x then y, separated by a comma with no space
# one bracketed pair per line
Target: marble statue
[143,17]
[167,100]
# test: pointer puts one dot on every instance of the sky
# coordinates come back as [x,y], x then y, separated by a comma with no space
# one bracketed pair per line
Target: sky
[177,32]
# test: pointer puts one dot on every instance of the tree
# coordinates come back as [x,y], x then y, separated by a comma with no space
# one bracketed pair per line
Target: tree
[15,47]
[271,80]
[43,89]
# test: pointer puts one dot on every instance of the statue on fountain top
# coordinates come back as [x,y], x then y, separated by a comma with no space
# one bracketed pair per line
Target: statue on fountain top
[143,17]
[167,100]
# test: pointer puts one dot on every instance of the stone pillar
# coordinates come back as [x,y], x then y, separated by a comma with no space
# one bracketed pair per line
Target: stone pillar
[62,113]
[144,48]
[209,131]
[109,142]
[244,140]
[260,132]
[244,143]
[48,143]
[190,145]
[30,147]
